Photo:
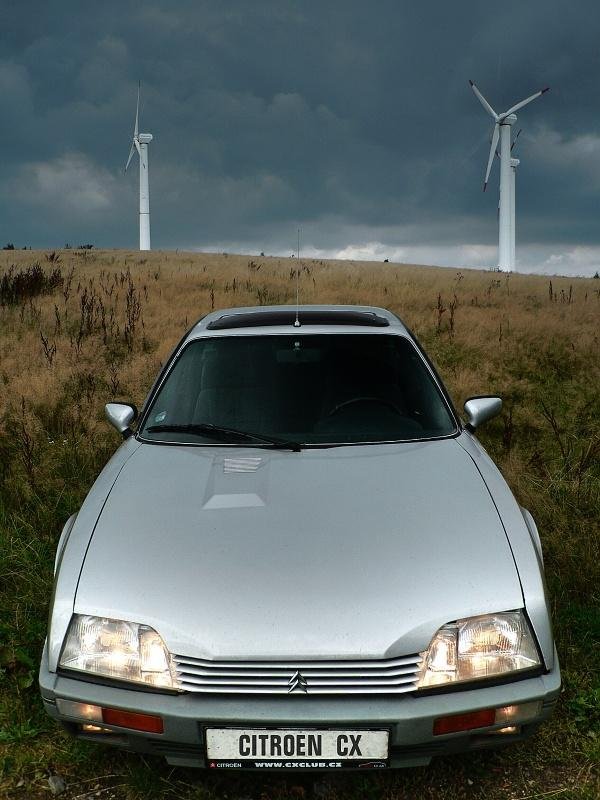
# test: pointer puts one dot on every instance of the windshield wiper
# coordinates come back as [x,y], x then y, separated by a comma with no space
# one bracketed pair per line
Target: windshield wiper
[218,431]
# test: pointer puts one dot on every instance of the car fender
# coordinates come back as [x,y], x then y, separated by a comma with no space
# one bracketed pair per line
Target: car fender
[72,548]
[534,533]
[526,553]
[64,536]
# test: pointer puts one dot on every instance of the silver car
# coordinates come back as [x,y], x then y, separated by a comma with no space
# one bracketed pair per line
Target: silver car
[300,559]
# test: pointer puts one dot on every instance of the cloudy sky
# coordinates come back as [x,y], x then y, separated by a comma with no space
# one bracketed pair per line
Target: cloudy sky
[352,120]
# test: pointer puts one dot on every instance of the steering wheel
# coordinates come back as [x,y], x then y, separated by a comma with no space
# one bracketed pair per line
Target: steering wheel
[353,400]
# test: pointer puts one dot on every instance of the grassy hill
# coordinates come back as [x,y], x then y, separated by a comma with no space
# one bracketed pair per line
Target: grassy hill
[79,328]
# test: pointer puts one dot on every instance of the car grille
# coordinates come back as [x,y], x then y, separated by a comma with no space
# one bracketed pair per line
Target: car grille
[385,676]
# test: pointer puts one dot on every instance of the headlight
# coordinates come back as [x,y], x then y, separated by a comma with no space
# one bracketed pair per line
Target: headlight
[477,648]
[115,649]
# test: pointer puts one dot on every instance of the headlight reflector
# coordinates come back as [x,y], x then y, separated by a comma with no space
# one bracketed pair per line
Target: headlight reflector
[116,649]
[476,648]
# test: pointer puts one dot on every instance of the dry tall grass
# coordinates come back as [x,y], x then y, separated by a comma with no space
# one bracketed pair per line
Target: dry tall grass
[485,314]
[110,318]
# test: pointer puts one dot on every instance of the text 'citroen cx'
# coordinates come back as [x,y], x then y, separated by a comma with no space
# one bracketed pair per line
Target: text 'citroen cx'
[300,558]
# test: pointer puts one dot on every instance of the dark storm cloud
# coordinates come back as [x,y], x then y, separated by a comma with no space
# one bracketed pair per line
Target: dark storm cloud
[354,120]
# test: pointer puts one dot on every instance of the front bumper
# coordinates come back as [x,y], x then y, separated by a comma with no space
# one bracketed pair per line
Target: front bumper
[409,718]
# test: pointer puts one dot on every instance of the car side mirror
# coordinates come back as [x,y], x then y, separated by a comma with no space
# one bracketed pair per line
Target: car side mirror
[121,416]
[480,409]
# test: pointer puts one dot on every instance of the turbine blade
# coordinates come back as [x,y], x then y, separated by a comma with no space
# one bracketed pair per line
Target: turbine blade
[493,146]
[131,152]
[136,144]
[483,101]
[515,139]
[137,113]
[524,102]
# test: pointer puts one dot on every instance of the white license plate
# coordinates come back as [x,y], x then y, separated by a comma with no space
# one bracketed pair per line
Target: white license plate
[292,747]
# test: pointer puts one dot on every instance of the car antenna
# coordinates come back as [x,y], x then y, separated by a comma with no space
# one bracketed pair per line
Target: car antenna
[297,320]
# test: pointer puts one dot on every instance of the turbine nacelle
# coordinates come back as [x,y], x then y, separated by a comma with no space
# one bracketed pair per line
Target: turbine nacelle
[144,138]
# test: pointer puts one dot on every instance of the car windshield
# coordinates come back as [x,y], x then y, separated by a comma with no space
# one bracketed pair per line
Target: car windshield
[309,389]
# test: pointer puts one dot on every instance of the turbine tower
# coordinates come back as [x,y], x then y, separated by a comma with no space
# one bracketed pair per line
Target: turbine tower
[502,130]
[140,143]
[514,163]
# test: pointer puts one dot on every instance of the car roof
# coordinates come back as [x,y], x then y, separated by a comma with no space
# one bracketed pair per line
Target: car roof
[257,320]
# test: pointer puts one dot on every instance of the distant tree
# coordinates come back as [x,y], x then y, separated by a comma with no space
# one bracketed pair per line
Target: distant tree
[9,246]
[386,261]
[68,246]
[596,275]
[86,247]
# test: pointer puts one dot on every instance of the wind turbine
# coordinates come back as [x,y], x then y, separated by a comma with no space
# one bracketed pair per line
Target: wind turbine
[502,130]
[140,143]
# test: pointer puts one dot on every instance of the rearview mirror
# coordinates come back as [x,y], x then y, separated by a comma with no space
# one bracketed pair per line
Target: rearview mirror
[480,409]
[121,416]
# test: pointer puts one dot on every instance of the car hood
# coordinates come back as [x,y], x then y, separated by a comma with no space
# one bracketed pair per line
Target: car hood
[351,552]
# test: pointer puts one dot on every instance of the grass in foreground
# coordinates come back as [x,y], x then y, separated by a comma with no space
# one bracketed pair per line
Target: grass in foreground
[83,328]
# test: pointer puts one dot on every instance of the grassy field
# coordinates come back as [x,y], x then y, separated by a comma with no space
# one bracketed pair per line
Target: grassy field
[79,328]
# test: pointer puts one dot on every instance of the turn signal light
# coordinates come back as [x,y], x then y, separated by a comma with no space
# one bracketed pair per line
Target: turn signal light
[509,715]
[133,720]
[95,715]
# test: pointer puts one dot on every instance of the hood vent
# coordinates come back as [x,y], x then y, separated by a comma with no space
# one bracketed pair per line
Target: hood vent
[241,464]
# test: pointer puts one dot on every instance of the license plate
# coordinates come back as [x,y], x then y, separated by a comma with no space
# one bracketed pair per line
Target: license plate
[294,748]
